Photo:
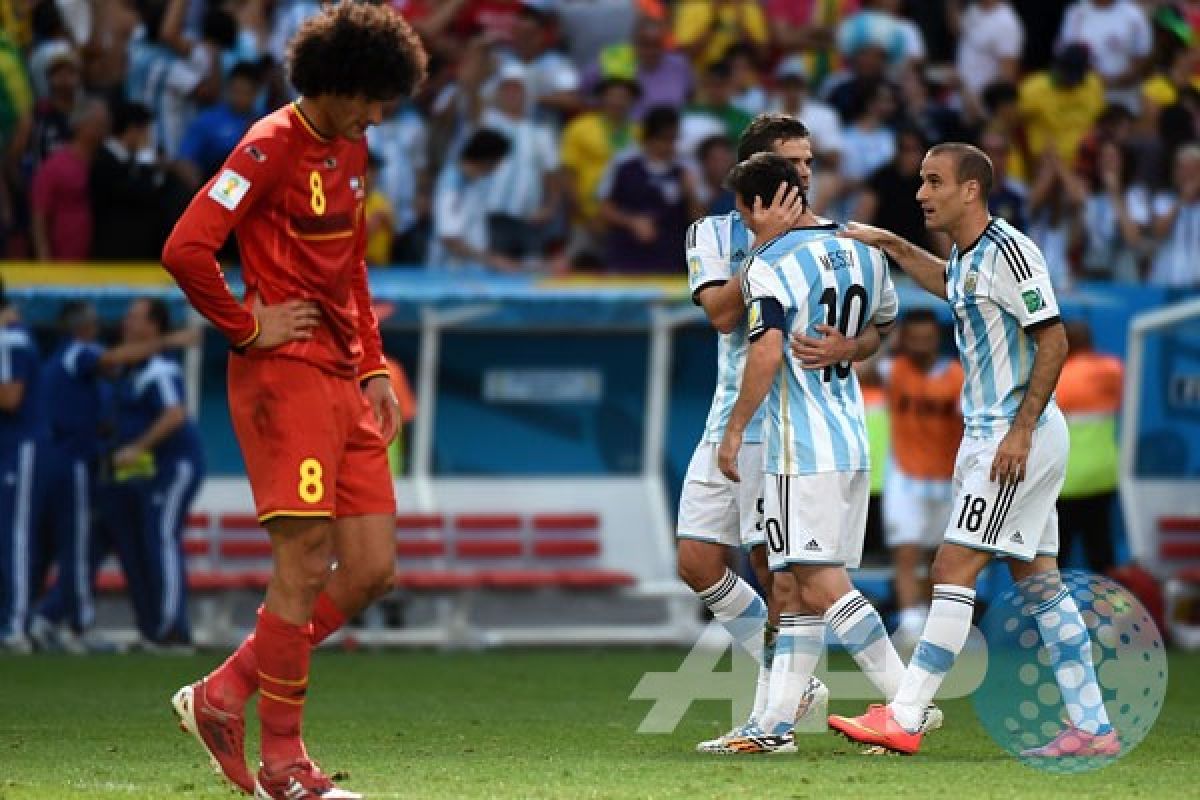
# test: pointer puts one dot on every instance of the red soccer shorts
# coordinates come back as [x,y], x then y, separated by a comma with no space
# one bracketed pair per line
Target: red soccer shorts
[309,440]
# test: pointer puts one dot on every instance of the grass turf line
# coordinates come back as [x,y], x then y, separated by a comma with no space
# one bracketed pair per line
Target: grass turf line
[512,724]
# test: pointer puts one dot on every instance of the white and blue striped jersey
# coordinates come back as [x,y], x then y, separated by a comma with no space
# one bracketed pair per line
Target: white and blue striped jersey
[815,421]
[999,289]
[515,186]
[716,247]
[163,81]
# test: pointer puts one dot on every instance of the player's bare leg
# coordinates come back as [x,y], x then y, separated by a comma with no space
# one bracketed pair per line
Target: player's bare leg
[365,550]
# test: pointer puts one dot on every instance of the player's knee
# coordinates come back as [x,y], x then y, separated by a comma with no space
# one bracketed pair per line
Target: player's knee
[700,564]
[785,594]
[377,582]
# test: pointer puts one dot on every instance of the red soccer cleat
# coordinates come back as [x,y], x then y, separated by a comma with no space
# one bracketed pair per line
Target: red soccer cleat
[1073,742]
[220,733]
[877,727]
[300,781]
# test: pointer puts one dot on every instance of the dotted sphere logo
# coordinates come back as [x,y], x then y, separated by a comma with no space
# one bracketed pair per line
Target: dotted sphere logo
[1020,703]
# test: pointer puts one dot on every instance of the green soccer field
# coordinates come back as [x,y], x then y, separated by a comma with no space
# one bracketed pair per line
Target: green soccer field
[527,724]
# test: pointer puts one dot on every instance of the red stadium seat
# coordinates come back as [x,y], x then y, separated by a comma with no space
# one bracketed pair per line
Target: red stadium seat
[561,523]
[488,548]
[239,522]
[420,548]
[488,523]
[566,548]
[438,581]
[587,579]
[420,522]
[1179,525]
[519,579]
[195,546]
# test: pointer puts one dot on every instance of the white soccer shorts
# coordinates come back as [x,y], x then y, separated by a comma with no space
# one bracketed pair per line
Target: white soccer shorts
[713,508]
[1018,520]
[815,520]
[915,511]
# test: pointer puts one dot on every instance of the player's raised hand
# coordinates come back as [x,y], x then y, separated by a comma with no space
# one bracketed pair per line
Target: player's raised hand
[384,405]
[784,213]
[727,454]
[285,322]
[1008,466]
[826,350]
[867,234]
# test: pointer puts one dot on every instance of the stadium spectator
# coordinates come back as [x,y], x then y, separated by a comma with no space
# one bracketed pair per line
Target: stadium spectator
[589,143]
[1089,394]
[1059,105]
[1008,199]
[790,96]
[460,229]
[1120,40]
[879,24]
[1174,218]
[524,193]
[21,436]
[1000,104]
[806,28]
[551,81]
[706,29]
[168,72]
[647,201]
[664,75]
[715,158]
[867,141]
[126,190]
[1112,239]
[401,142]
[845,89]
[749,94]
[883,201]
[990,39]
[712,110]
[925,104]
[590,27]
[61,203]
[214,132]
[1175,61]
[160,460]
[52,117]
[1056,203]
[379,217]
[51,38]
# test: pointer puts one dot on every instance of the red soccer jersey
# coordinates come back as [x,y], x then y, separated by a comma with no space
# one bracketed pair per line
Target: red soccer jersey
[295,200]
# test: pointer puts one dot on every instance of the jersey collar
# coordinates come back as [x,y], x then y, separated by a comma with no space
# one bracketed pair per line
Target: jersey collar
[307,124]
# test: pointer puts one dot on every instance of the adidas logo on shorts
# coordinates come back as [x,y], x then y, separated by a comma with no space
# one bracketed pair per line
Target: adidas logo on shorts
[812,545]
[1016,538]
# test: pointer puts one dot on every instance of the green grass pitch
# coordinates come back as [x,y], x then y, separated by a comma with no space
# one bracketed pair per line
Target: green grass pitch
[519,724]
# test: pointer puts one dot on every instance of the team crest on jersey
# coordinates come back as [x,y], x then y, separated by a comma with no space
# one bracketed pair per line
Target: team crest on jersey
[331,163]
[970,282]
[228,189]
[1033,300]
[694,267]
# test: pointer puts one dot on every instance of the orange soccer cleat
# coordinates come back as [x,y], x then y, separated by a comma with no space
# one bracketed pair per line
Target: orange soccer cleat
[1072,742]
[877,727]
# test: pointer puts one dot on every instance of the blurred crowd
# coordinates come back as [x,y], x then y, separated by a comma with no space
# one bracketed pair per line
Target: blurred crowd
[585,135]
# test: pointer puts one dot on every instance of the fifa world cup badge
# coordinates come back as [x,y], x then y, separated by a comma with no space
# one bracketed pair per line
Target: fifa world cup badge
[969,282]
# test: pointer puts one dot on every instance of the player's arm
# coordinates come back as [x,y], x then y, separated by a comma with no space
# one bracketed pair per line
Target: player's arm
[833,347]
[136,352]
[372,370]
[709,275]
[921,265]
[250,173]
[763,359]
[15,368]
[1021,286]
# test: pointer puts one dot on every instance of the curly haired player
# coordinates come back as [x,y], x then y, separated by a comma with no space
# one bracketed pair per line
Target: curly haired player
[308,387]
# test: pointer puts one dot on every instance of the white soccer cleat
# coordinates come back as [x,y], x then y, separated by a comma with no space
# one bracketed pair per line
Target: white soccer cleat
[719,745]
[755,741]
[813,711]
[931,719]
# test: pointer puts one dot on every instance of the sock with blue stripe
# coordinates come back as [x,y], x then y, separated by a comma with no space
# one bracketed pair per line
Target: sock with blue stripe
[763,687]
[798,650]
[739,608]
[1066,637]
[943,639]
[857,625]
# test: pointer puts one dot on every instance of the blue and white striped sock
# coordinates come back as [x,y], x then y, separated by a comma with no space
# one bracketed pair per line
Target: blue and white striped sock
[1065,635]
[797,652]
[945,634]
[739,608]
[857,625]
